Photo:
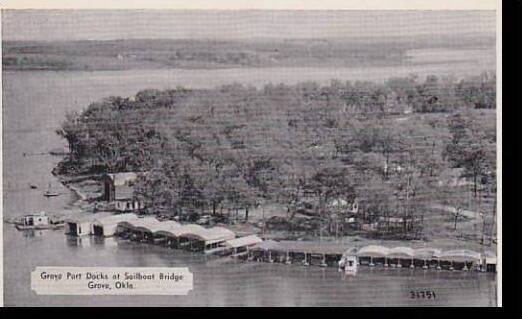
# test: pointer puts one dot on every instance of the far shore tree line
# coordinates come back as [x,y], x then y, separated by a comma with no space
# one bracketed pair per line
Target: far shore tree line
[309,148]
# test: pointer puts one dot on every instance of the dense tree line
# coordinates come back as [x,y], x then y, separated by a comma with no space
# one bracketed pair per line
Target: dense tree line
[382,145]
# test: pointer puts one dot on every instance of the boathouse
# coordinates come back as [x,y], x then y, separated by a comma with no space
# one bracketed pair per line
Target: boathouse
[427,256]
[460,258]
[169,234]
[239,245]
[197,238]
[108,226]
[81,224]
[398,255]
[141,229]
[370,254]
[118,189]
[307,252]
[190,237]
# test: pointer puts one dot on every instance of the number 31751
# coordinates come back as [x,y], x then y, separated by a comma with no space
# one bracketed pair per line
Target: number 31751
[422,294]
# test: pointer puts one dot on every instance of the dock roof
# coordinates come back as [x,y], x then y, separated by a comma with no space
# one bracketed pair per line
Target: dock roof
[174,229]
[312,247]
[87,217]
[427,253]
[114,219]
[491,257]
[401,252]
[267,245]
[243,241]
[217,234]
[460,255]
[373,251]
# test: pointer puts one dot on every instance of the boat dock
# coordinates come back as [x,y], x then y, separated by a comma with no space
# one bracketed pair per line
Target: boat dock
[330,254]
[221,241]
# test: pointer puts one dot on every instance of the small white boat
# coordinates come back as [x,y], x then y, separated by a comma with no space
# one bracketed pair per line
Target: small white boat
[50,193]
[349,264]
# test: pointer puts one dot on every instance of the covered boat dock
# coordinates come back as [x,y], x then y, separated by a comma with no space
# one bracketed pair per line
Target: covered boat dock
[306,252]
[108,226]
[81,225]
[331,253]
[172,234]
[237,246]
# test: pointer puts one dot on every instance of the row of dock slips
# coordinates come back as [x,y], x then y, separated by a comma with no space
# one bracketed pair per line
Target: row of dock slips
[423,257]
[306,252]
[189,237]
[330,253]
[149,229]
[172,234]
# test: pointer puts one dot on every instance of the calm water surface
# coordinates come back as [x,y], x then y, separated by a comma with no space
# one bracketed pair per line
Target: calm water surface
[34,104]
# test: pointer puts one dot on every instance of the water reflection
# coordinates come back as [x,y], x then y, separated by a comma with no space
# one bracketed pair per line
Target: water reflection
[74,241]
[32,233]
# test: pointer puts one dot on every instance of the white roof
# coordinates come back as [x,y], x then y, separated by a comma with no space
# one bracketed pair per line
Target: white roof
[170,228]
[243,241]
[114,219]
[373,251]
[427,252]
[460,255]
[491,258]
[87,218]
[400,251]
[268,245]
[218,233]
[149,224]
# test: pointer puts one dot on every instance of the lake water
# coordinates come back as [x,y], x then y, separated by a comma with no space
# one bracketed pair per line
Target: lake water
[34,104]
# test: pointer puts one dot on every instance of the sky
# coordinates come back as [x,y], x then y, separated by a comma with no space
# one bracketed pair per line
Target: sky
[215,24]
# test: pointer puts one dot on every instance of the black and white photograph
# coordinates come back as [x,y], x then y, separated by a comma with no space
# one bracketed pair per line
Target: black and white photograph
[250,157]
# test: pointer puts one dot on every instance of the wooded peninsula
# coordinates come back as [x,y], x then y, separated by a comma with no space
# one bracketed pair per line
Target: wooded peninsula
[340,159]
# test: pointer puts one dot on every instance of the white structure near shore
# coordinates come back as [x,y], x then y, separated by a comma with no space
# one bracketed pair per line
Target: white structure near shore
[107,226]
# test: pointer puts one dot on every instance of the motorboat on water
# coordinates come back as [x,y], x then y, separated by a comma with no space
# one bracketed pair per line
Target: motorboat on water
[348,264]
[36,221]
